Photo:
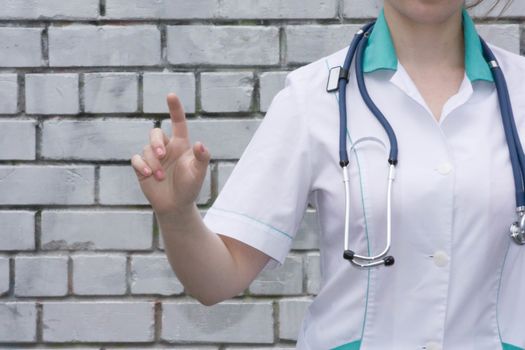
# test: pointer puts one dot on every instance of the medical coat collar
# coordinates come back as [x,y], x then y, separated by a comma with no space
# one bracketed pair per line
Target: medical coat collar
[380,52]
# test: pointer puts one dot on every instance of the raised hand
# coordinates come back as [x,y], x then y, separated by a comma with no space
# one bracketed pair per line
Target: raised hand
[170,170]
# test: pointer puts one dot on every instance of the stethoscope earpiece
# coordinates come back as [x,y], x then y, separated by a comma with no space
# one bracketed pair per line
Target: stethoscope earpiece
[389,261]
[348,255]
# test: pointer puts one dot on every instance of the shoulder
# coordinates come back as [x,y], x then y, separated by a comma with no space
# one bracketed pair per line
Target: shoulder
[512,64]
[513,67]
[311,79]
[304,98]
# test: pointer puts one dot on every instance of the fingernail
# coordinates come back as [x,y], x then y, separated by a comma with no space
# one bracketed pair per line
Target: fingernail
[203,149]
[147,171]
[159,173]
[160,151]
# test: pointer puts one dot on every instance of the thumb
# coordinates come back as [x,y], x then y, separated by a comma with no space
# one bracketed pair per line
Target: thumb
[202,155]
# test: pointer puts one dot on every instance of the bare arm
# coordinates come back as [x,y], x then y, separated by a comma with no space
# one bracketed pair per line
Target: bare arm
[170,171]
[211,267]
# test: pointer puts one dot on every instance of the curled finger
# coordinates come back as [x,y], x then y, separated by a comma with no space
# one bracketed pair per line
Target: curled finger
[140,166]
[153,162]
[158,142]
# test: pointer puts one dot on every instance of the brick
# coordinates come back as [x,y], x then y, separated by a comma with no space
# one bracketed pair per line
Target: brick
[225,139]
[119,185]
[229,321]
[362,8]
[308,234]
[223,45]
[17,230]
[313,273]
[52,94]
[515,9]
[4,275]
[8,94]
[307,43]
[100,230]
[262,348]
[286,280]
[189,347]
[224,170]
[98,139]
[11,133]
[205,192]
[291,315]
[207,9]
[60,348]
[152,274]
[49,9]
[99,274]
[100,321]
[164,9]
[227,91]
[131,45]
[41,275]
[506,36]
[46,184]
[158,85]
[278,9]
[17,322]
[270,84]
[111,92]
[20,47]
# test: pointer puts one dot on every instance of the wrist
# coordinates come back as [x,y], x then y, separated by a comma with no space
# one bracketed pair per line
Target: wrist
[179,216]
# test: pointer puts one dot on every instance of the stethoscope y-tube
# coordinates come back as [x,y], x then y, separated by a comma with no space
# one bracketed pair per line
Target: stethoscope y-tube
[340,75]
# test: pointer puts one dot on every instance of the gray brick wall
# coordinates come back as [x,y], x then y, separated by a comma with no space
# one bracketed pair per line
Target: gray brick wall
[82,264]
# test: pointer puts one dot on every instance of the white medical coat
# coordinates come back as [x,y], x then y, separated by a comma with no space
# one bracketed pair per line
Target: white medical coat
[458,282]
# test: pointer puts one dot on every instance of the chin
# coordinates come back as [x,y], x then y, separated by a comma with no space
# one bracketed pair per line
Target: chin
[426,11]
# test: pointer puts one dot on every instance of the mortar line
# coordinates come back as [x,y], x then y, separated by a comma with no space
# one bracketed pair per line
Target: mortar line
[21,98]
[11,291]
[163,44]
[140,93]
[102,8]
[44,45]
[38,229]
[70,274]
[81,93]
[96,193]
[39,322]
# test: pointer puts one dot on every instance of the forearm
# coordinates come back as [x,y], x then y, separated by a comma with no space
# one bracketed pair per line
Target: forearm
[199,257]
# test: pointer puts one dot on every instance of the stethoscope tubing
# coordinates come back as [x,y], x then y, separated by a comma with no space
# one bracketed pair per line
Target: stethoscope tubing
[357,50]
[343,154]
[368,100]
[517,156]
[513,141]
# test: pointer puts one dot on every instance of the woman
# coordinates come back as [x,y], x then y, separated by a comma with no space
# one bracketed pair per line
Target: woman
[457,282]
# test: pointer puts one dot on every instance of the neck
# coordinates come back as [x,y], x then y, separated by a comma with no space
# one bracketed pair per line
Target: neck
[427,45]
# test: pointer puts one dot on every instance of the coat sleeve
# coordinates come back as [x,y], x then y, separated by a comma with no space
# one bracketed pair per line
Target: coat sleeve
[265,198]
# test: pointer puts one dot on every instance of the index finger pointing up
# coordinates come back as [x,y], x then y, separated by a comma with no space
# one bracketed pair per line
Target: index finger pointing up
[178,118]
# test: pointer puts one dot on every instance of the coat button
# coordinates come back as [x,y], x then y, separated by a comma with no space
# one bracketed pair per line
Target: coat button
[441,258]
[444,168]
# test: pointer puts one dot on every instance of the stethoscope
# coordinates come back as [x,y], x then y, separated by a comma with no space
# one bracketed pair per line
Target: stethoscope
[517,157]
